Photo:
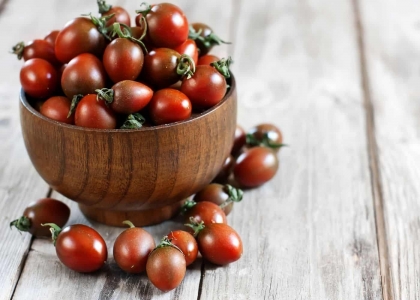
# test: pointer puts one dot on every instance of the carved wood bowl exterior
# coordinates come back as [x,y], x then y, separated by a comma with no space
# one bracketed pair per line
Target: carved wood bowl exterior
[142,175]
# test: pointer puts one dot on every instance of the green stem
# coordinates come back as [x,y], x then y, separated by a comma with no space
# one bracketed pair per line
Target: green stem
[235,195]
[144,11]
[166,242]
[103,6]
[192,34]
[187,206]
[18,49]
[133,121]
[223,66]
[22,224]
[76,99]
[196,226]
[186,66]
[116,30]
[252,141]
[129,223]
[105,94]
[100,24]
[55,230]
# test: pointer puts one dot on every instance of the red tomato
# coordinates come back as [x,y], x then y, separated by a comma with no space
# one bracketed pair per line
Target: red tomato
[57,108]
[205,88]
[51,37]
[123,60]
[186,243]
[120,14]
[169,105]
[167,25]
[205,211]
[94,114]
[38,78]
[266,135]
[83,75]
[160,67]
[132,248]
[189,48]
[207,59]
[80,248]
[40,212]
[239,140]
[218,194]
[79,36]
[255,167]
[207,39]
[36,49]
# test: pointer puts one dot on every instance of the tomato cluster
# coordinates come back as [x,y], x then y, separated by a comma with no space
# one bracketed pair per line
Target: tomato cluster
[105,72]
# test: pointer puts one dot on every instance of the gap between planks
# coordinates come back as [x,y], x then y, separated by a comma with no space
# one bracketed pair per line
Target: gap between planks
[378,200]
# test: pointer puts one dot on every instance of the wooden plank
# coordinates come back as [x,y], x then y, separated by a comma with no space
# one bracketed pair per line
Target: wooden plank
[310,232]
[391,35]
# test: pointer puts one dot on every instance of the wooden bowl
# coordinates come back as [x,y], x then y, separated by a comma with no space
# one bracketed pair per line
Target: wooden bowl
[142,175]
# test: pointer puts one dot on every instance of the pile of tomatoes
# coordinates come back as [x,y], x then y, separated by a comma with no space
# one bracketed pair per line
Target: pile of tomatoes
[102,72]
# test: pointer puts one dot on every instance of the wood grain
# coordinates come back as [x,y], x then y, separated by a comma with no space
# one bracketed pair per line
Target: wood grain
[392,48]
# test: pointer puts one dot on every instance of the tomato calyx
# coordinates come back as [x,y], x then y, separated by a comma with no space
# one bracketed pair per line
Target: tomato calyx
[265,141]
[18,49]
[21,224]
[187,206]
[127,34]
[145,8]
[100,24]
[208,41]
[106,95]
[103,6]
[129,223]
[196,226]
[235,195]
[166,242]
[186,66]
[133,121]
[193,34]
[55,231]
[222,66]
[76,99]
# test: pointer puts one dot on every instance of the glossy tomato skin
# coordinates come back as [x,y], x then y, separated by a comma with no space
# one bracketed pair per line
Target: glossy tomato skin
[205,31]
[166,268]
[271,131]
[220,244]
[40,49]
[83,75]
[120,16]
[239,140]
[81,248]
[159,68]
[167,25]
[206,211]
[57,108]
[51,37]
[168,106]
[189,48]
[123,60]
[255,167]
[225,171]
[46,210]
[216,194]
[132,248]
[186,243]
[79,36]
[205,88]
[39,78]
[130,96]
[207,59]
[92,113]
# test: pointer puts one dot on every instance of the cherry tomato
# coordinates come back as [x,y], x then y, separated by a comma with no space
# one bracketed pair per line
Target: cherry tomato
[123,60]
[79,247]
[83,75]
[205,211]
[186,243]
[92,113]
[160,67]
[267,135]
[39,212]
[120,14]
[226,170]
[167,25]
[36,49]
[255,167]
[79,36]
[51,37]
[132,248]
[169,105]
[205,88]
[239,140]
[38,78]
[57,108]
[207,39]
[219,243]
[166,267]
[207,59]
[189,48]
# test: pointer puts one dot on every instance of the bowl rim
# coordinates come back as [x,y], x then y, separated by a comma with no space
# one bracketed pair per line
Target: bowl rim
[25,103]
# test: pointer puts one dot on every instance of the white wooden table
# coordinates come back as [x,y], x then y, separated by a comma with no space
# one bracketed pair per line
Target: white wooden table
[341,219]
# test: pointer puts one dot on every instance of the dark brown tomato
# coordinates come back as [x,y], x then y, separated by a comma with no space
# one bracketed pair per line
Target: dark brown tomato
[57,108]
[239,140]
[206,211]
[46,210]
[92,113]
[52,36]
[120,16]
[40,49]
[132,248]
[168,106]
[130,96]
[205,32]
[207,59]
[189,48]
[220,244]
[205,88]
[167,25]
[216,194]
[166,268]
[255,167]
[79,36]
[267,135]
[39,78]
[186,243]
[83,75]
[225,171]
[159,68]
[81,248]
[123,60]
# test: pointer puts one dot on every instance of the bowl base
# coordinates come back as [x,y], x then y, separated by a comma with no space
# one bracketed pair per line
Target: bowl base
[139,218]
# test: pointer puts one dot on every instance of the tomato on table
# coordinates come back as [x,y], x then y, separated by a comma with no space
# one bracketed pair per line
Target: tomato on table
[266,135]
[204,211]
[222,195]
[186,243]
